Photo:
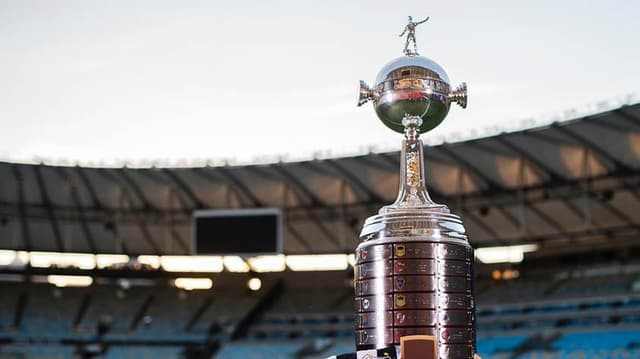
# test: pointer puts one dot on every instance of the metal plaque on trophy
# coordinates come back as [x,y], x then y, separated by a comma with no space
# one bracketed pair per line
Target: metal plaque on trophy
[414,265]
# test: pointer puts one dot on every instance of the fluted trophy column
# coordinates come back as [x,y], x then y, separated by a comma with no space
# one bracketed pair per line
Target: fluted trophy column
[414,265]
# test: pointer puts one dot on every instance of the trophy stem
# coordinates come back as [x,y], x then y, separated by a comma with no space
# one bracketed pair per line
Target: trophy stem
[412,193]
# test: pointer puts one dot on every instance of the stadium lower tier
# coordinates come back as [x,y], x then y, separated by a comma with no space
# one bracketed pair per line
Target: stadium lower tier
[288,320]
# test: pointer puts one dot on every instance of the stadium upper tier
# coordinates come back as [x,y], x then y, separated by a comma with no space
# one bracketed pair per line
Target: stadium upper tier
[562,184]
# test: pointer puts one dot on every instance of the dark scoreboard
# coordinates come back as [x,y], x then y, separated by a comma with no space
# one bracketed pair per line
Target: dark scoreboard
[237,232]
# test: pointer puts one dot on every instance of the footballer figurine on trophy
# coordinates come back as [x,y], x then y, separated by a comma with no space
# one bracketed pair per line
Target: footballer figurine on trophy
[414,265]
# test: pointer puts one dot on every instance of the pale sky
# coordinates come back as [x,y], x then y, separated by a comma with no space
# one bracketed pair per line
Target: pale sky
[183,80]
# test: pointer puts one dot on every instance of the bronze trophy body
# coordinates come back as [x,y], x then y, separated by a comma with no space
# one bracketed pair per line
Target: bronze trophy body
[414,265]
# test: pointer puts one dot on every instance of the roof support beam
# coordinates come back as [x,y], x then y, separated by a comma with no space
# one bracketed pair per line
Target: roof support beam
[136,189]
[490,182]
[297,236]
[384,165]
[199,204]
[172,192]
[125,198]
[238,185]
[618,213]
[480,223]
[323,228]
[354,180]
[300,187]
[175,235]
[178,239]
[537,164]
[545,217]
[147,236]
[631,189]
[46,201]
[576,211]
[22,212]
[318,223]
[627,116]
[232,188]
[613,126]
[81,215]
[309,211]
[92,191]
[555,178]
[593,146]
[619,166]
[391,159]
[509,217]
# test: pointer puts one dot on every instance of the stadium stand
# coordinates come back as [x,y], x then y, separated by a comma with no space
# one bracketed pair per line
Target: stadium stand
[298,321]
[576,296]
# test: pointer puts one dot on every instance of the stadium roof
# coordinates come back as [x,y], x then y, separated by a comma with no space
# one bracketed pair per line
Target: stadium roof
[568,183]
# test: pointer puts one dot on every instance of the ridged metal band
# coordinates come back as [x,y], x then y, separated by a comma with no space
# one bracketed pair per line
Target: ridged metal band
[414,285]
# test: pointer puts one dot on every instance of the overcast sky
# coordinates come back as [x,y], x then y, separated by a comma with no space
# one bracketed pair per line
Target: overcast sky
[249,80]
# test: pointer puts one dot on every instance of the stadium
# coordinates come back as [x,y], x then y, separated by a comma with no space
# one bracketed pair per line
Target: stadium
[92,256]
[194,180]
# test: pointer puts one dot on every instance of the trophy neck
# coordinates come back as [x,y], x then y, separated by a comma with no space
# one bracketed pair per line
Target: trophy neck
[413,194]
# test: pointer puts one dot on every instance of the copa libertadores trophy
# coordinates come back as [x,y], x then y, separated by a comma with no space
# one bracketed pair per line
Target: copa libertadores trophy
[414,269]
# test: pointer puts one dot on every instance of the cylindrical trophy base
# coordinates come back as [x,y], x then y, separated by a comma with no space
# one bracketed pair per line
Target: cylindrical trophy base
[415,286]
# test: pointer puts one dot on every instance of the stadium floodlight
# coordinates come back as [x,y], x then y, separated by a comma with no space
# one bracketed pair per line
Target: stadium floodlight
[151,261]
[263,264]
[191,263]
[7,257]
[318,262]
[70,280]
[22,258]
[107,260]
[235,264]
[254,284]
[506,254]
[63,260]
[193,283]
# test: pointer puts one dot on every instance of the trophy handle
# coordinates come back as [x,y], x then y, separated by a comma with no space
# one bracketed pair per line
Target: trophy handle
[459,95]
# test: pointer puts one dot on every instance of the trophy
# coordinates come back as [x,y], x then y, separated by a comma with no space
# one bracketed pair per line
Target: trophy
[414,265]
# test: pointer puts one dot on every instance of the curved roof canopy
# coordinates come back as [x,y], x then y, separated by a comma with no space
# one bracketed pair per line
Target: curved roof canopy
[568,183]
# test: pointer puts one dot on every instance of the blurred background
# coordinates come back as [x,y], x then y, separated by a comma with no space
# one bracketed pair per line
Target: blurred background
[121,120]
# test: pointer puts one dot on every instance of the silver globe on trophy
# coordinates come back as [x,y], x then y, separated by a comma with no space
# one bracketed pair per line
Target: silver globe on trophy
[414,265]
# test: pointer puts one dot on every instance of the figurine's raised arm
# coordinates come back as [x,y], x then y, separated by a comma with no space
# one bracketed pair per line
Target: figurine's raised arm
[423,21]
